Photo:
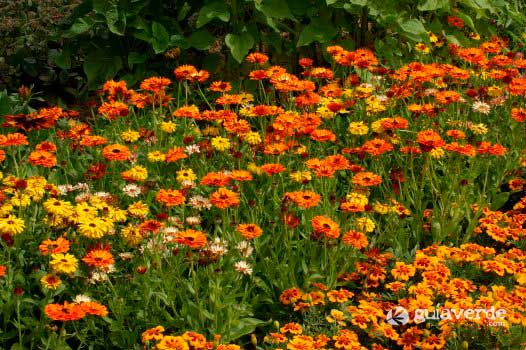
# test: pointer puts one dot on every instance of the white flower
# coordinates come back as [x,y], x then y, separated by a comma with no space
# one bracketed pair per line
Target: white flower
[193,220]
[481,107]
[243,267]
[132,190]
[191,149]
[81,298]
[244,248]
[217,247]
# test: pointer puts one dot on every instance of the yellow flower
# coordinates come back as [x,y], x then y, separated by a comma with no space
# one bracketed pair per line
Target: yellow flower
[437,153]
[432,37]
[58,208]
[84,210]
[374,106]
[357,198]
[51,281]
[365,224]
[210,131]
[301,176]
[95,227]
[252,138]
[185,175]
[64,263]
[220,143]
[130,136]
[422,48]
[168,127]
[5,209]
[137,173]
[325,112]
[20,200]
[245,97]
[479,129]
[381,208]
[132,235]
[495,91]
[156,156]
[36,187]
[254,169]
[115,214]
[138,209]
[12,225]
[358,128]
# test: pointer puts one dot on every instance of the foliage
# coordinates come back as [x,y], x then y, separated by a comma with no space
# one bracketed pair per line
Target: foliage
[103,39]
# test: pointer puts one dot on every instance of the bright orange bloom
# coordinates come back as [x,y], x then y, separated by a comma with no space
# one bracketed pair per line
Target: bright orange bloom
[224,198]
[60,245]
[355,239]
[249,231]
[304,199]
[3,270]
[429,139]
[43,158]
[170,198]
[65,312]
[257,57]
[116,152]
[155,84]
[114,109]
[324,226]
[271,169]
[100,258]
[184,72]
[191,238]
[94,308]
[366,179]
[15,139]
[155,333]
[518,114]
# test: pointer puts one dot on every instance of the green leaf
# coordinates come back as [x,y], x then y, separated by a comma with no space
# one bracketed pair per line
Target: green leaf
[63,59]
[432,5]
[81,25]
[201,39]
[414,29]
[499,200]
[218,9]
[136,57]
[243,326]
[274,9]
[5,103]
[101,65]
[359,2]
[160,37]
[319,30]
[239,45]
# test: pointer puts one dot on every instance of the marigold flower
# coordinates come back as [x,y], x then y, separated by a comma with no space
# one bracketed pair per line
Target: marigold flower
[325,226]
[224,198]
[170,197]
[249,231]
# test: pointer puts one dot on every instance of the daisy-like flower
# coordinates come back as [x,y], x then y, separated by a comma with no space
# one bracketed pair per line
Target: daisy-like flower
[12,225]
[481,107]
[245,249]
[132,190]
[191,149]
[243,267]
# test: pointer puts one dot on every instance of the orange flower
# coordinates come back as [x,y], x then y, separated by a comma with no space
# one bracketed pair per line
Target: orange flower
[377,147]
[46,146]
[15,139]
[60,245]
[356,239]
[249,231]
[402,271]
[447,97]
[429,139]
[155,84]
[114,109]
[215,179]
[224,198]
[175,154]
[170,198]
[304,199]
[43,158]
[220,86]
[191,238]
[116,152]
[323,135]
[324,226]
[65,312]
[3,270]
[184,72]
[94,308]
[271,169]
[518,114]
[366,179]
[100,258]
[155,333]
[187,112]
[257,57]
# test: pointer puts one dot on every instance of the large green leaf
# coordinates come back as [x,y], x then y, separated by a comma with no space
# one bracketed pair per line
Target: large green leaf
[115,19]
[274,9]
[319,29]
[413,28]
[101,65]
[432,5]
[239,45]
[5,103]
[217,9]
[242,327]
[160,37]
[81,25]
[200,39]
[63,59]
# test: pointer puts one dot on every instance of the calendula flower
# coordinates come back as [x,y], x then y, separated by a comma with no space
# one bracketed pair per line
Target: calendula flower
[358,128]
[243,267]
[168,127]
[64,263]
[185,175]
[12,225]
[220,143]
[130,136]
[51,281]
